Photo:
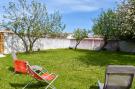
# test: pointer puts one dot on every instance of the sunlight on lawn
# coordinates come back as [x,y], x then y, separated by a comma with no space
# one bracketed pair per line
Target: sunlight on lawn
[76,69]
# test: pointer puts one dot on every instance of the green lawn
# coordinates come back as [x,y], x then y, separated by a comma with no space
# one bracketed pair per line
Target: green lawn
[76,69]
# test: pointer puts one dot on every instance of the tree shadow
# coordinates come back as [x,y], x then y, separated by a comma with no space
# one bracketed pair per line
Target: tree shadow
[32,85]
[14,43]
[11,69]
[93,87]
[104,58]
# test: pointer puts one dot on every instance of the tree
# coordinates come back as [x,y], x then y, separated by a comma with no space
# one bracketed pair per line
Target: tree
[107,26]
[79,35]
[117,25]
[31,21]
[126,12]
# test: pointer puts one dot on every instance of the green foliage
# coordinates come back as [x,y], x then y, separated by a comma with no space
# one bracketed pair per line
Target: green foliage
[80,34]
[119,24]
[31,21]
[80,69]
[126,12]
[107,25]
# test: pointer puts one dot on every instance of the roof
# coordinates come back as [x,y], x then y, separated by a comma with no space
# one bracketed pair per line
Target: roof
[5,30]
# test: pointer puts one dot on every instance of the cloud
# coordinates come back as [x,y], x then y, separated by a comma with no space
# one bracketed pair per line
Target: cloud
[71,5]
[67,6]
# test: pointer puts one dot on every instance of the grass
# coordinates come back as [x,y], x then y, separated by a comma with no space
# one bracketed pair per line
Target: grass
[76,69]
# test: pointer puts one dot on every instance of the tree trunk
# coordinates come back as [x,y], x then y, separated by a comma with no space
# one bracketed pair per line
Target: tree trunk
[105,43]
[32,44]
[30,48]
[117,46]
[77,43]
[25,44]
[26,47]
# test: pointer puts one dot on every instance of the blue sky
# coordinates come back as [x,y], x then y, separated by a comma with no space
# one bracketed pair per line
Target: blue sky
[75,13]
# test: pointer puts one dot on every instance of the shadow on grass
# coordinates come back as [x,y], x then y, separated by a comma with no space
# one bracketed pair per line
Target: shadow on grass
[104,58]
[93,87]
[32,85]
[11,69]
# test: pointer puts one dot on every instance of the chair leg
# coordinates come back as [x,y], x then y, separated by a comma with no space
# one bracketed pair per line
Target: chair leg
[51,86]
[27,84]
[100,85]
[47,86]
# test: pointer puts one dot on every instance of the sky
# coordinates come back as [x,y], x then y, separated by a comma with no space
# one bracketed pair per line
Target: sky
[75,13]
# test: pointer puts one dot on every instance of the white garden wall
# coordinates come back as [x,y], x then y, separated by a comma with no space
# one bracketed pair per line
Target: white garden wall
[126,46]
[14,43]
[51,43]
[90,44]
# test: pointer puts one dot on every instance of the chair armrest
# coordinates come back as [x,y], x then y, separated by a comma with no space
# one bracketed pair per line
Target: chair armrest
[51,75]
[101,85]
[43,71]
